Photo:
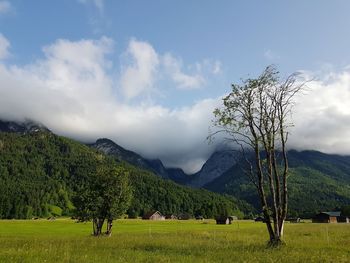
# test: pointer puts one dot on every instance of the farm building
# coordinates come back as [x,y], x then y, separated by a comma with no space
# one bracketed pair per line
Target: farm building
[184,216]
[326,217]
[343,219]
[259,219]
[170,216]
[154,215]
[225,220]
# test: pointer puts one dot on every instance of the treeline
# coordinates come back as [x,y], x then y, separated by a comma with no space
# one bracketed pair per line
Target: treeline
[40,173]
[317,182]
[154,193]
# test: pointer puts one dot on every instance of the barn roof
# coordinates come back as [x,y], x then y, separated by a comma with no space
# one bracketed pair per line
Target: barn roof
[337,213]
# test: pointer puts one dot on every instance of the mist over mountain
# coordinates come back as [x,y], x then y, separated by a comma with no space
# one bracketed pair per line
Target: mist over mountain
[318,181]
[24,127]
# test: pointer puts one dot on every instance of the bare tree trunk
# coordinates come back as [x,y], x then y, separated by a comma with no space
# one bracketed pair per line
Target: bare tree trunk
[109,227]
[94,227]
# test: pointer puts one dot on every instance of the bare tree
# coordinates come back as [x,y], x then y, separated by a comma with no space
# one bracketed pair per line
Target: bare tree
[256,116]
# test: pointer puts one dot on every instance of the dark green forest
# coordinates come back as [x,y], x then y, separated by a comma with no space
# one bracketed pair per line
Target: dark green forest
[317,182]
[40,173]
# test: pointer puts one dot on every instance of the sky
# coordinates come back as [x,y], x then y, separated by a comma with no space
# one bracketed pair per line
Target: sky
[148,74]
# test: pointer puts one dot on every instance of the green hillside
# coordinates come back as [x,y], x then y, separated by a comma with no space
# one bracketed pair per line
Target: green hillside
[317,182]
[40,171]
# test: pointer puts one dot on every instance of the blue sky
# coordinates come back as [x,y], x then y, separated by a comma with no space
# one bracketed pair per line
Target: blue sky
[160,67]
[298,34]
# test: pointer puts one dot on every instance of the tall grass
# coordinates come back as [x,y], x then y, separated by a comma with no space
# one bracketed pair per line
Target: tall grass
[170,241]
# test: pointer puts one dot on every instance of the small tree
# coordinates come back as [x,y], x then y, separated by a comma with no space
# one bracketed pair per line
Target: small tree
[104,196]
[255,116]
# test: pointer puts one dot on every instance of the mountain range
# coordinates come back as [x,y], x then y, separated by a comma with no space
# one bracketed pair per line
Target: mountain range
[317,181]
[41,172]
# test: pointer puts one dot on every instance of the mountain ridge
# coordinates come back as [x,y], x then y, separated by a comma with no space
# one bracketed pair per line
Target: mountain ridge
[318,181]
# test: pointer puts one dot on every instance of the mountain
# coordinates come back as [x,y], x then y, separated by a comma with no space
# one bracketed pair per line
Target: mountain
[40,173]
[155,166]
[217,164]
[111,148]
[317,182]
[22,127]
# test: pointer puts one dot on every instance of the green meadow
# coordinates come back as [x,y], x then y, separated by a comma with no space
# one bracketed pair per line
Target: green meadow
[63,240]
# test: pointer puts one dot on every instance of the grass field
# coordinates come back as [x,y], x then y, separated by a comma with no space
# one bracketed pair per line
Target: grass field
[64,240]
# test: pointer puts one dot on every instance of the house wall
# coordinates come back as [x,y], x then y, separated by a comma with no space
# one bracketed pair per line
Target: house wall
[157,217]
[321,219]
[333,219]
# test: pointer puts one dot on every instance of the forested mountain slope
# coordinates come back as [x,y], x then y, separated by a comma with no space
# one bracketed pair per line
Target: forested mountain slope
[317,182]
[39,172]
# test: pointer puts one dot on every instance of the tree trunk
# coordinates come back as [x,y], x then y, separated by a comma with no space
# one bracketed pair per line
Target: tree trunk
[109,227]
[97,224]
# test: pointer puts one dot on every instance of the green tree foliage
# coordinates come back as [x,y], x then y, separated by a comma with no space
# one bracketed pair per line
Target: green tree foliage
[104,196]
[154,193]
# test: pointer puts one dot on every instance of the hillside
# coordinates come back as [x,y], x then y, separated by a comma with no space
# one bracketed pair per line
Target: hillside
[40,171]
[317,182]
[155,166]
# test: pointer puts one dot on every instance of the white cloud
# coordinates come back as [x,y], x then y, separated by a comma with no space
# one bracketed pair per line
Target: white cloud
[4,46]
[99,4]
[322,115]
[73,90]
[139,75]
[5,7]
[183,80]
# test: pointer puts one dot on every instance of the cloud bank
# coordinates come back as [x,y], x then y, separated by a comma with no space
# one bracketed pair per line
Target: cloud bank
[75,91]
[78,90]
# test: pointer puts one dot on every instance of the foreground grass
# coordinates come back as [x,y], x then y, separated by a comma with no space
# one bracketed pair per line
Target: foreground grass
[169,241]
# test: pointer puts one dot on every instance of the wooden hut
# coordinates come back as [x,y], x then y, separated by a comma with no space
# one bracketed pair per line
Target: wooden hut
[184,216]
[343,219]
[224,220]
[170,216]
[326,217]
[259,219]
[153,215]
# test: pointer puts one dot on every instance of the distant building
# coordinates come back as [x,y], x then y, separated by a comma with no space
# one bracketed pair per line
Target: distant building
[153,215]
[326,217]
[343,219]
[259,219]
[170,216]
[184,216]
[225,220]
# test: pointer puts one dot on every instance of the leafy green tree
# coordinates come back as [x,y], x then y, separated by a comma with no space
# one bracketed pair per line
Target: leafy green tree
[103,196]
